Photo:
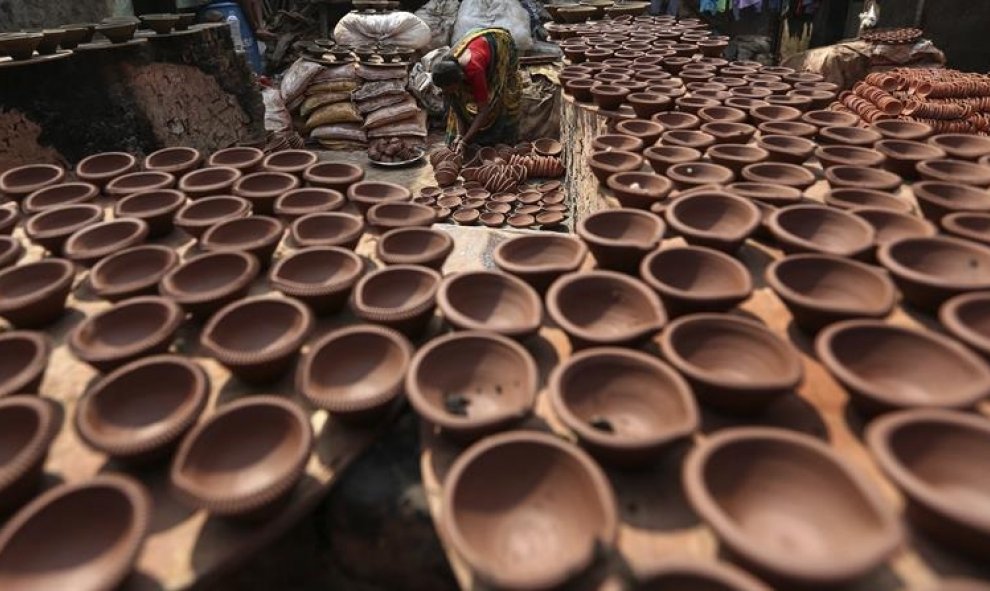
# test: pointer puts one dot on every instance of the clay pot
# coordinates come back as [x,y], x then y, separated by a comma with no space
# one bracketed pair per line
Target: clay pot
[625,407]
[609,97]
[118,31]
[132,272]
[19,182]
[364,194]
[851,156]
[33,295]
[639,190]
[548,147]
[604,308]
[540,259]
[891,225]
[296,203]
[970,226]
[648,104]
[961,146]
[580,89]
[58,195]
[88,245]
[204,284]
[620,142]
[722,114]
[736,157]
[174,392]
[209,181]
[391,215]
[242,158]
[713,219]
[964,317]
[705,576]
[257,235]
[176,161]
[903,156]
[792,128]
[620,238]
[774,113]
[955,171]
[788,149]
[23,361]
[490,301]
[863,177]
[328,229]
[197,217]
[20,46]
[401,297]
[415,246]
[776,173]
[852,198]
[100,169]
[676,121]
[824,498]
[923,369]
[772,194]
[321,277]
[696,174]
[262,189]
[822,119]
[245,460]
[896,129]
[930,270]
[138,182]
[355,373]
[132,329]
[662,158]
[698,140]
[692,279]
[156,208]
[648,131]
[93,531]
[816,229]
[338,176]
[694,104]
[729,133]
[605,164]
[937,199]
[848,136]
[29,424]
[290,161]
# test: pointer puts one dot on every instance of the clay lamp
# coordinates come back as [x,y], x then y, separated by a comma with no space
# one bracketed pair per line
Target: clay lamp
[23,361]
[822,119]
[33,295]
[729,133]
[244,461]
[620,238]
[157,208]
[290,161]
[137,182]
[648,104]
[466,216]
[625,407]
[199,216]
[661,158]
[132,329]
[390,215]
[19,182]
[848,136]
[696,76]
[722,114]
[401,297]
[356,373]
[862,177]
[100,169]
[648,131]
[891,225]
[118,29]
[174,391]
[176,161]
[774,113]
[296,203]
[242,158]
[609,97]
[772,194]
[580,89]
[548,147]
[522,220]
[675,121]
[788,149]
[831,156]
[338,176]
[605,164]
[321,277]
[903,156]
[692,279]
[713,219]
[206,182]
[29,424]
[955,171]
[853,198]
[639,190]
[930,270]
[132,272]
[694,104]
[364,194]
[822,494]
[821,230]
[735,157]
[328,229]
[970,226]
[696,174]
[817,98]
[58,195]
[617,141]
[801,103]
[685,138]
[92,243]
[962,146]
[21,46]
[820,290]
[753,96]
[11,251]
[597,308]
[204,284]
[690,574]
[936,199]
[415,246]
[540,259]
[93,530]
[896,129]
[262,189]
[778,173]
[674,64]
[490,301]
[792,128]
[923,369]
[257,235]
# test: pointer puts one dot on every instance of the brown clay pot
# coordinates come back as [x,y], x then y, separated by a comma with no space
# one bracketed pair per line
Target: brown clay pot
[644,129]
[736,157]
[720,114]
[580,89]
[9,216]
[257,235]
[895,129]
[863,177]
[662,158]
[930,270]
[415,246]
[774,113]
[540,259]
[693,279]
[853,198]
[206,182]
[157,208]
[674,121]
[328,229]
[262,189]
[955,171]
[831,156]
[788,149]
[138,182]
[290,161]
[822,230]
[605,164]
[891,225]
[609,97]
[132,272]
[176,161]
[969,226]
[338,176]
[848,136]
[490,301]
[198,216]
[58,195]
[131,329]
[321,277]
[365,194]
[639,190]
[205,283]
[88,245]
[390,215]
[694,104]
[697,174]
[617,141]
[401,297]
[713,219]
[23,361]
[620,238]
[689,574]
[29,424]
[823,119]
[648,104]
[100,169]
[33,295]
[793,128]
[903,156]
[778,173]
[937,199]
[687,138]
[961,146]
[768,193]
[242,158]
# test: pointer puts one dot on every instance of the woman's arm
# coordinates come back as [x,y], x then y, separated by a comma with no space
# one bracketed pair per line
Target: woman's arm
[483,112]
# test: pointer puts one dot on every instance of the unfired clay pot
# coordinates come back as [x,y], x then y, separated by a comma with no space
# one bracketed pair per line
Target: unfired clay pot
[157,208]
[854,198]
[862,177]
[132,272]
[639,190]
[290,161]
[713,219]
[620,238]
[490,301]
[948,170]
[177,161]
[205,283]
[320,276]
[57,195]
[415,246]
[257,235]
[100,169]
[788,149]
[817,229]
[662,158]
[539,259]
[262,189]
[903,156]
[328,229]
[23,361]
[33,295]
[216,180]
[605,164]
[296,203]
[890,225]
[401,297]
[137,182]
[30,424]
[778,173]
[242,158]
[391,215]
[692,279]
[364,194]
[937,199]
[198,216]
[131,329]
[11,251]
[930,270]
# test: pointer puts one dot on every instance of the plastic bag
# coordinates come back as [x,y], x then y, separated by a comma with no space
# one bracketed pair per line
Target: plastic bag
[440,16]
[335,113]
[421,82]
[404,29]
[277,116]
[348,132]
[507,14]
[297,78]
[396,112]
[318,100]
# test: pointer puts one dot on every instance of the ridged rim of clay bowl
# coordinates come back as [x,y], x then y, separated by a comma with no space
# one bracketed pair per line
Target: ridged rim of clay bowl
[823,118]
[959,224]
[292,338]
[47,417]
[621,185]
[841,135]
[588,229]
[736,154]
[350,234]
[491,287]
[192,185]
[87,192]
[172,287]
[675,216]
[33,370]
[961,146]
[11,251]
[897,129]
[674,391]
[102,276]
[559,571]
[769,193]
[283,181]
[76,531]
[721,576]
[348,393]
[758,173]
[794,128]
[170,201]
[506,262]
[213,498]
[321,200]
[408,310]
[197,226]
[776,276]
[274,231]
[76,251]
[865,177]
[729,266]
[123,439]
[339,182]
[954,316]
[62,282]
[400,214]
[783,232]
[244,158]
[932,193]
[290,161]
[347,271]
[879,392]
[126,163]
[633,144]
[887,255]
[966,172]
[61,233]
[789,566]
[430,257]
[147,180]
[178,160]
[356,194]
[85,343]
[850,198]
[881,218]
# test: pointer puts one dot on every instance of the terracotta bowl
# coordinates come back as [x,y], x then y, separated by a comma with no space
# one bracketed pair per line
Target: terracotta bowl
[548,147]
[688,138]
[29,424]
[321,277]
[862,177]
[792,128]
[89,245]
[965,317]
[617,141]
[736,157]
[937,199]
[955,171]
[891,225]
[262,189]
[661,158]
[391,215]
[401,297]
[962,146]
[23,361]
[823,118]
[58,195]
[157,208]
[779,174]
[205,283]
[364,194]
[579,521]
[625,407]
[33,295]
[723,114]
[769,193]
[177,161]
[696,174]
[896,129]
[713,219]
[290,161]
[677,121]
[818,497]
[328,229]
[788,149]
[415,246]
[608,97]
[648,104]
[774,113]
[886,367]
[245,460]
[854,198]
[580,89]
[137,182]
[648,131]
[822,230]
[969,226]
[903,156]
[11,251]
[109,418]
[242,158]
[296,203]
[132,272]
[604,308]
[704,576]
[93,531]
[692,279]
[540,259]
[257,338]
[605,164]
[198,216]
[100,169]
[639,190]
[257,235]
[848,136]
[131,329]
[729,133]
[205,182]
[490,301]
[930,270]
[620,238]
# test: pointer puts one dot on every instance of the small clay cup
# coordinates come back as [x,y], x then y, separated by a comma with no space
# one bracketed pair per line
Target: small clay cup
[821,230]
[620,238]
[11,251]
[131,329]
[767,193]
[365,194]
[777,173]
[853,167]
[290,161]
[296,203]
[415,246]
[648,104]
[176,161]
[391,215]
[955,171]
[729,133]
[257,235]
[929,271]
[694,279]
[157,208]
[848,136]
[788,149]
[969,226]
[199,216]
[132,272]
[605,164]
[33,295]
[903,156]
[401,297]
[137,182]
[824,118]
[243,158]
[490,301]
[676,120]
[713,219]
[937,199]
[965,318]
[100,169]
[328,229]
[29,424]
[205,283]
[648,131]
[705,576]
[23,361]
[661,158]
[896,129]
[891,225]
[639,190]
[608,97]
[736,157]
[617,141]
[540,259]
[962,146]
[688,138]
[854,198]
[338,176]
[89,245]
[692,175]
[205,182]
[321,277]
[262,189]
[58,195]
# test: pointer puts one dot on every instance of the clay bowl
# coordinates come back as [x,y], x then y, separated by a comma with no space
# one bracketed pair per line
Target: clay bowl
[355,373]
[713,219]
[204,284]
[33,295]
[609,97]
[157,208]
[29,425]
[58,195]
[290,161]
[93,532]
[896,129]
[338,176]
[177,161]
[788,149]
[955,171]
[131,329]
[961,146]
[891,225]
[262,189]
[23,361]
[118,31]
[674,121]
[965,317]
[471,384]
[174,392]
[137,182]
[903,156]
[930,270]
[245,460]
[401,297]
[321,277]
[694,104]
[257,235]
[937,199]
[823,119]
[365,194]
[823,497]
[734,365]
[822,230]
[617,141]
[736,157]
[20,46]
[540,259]
[296,203]
[662,158]
[490,301]
[832,156]
[100,169]
[639,190]
[198,216]
[257,338]
[648,104]
[242,158]
[791,128]
[688,138]
[580,89]
[702,576]
[848,136]
[598,308]
[620,238]
[579,522]
[392,215]
[850,198]
[648,131]
[328,229]
[774,113]
[729,133]
[886,367]
[132,272]
[771,194]
[90,244]
[692,279]
[778,173]
[970,226]
[548,147]
[209,181]
[625,407]
[19,182]
[415,246]
[605,164]
[696,174]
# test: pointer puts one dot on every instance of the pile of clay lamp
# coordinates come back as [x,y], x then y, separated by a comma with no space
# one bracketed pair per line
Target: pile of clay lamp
[900,36]
[592,10]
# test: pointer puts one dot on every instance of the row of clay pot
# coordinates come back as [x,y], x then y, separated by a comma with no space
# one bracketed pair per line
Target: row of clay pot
[540,205]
